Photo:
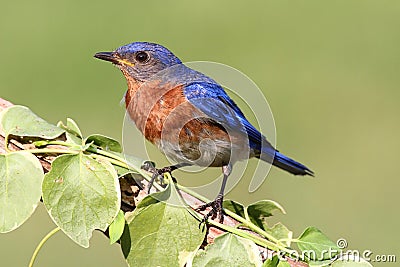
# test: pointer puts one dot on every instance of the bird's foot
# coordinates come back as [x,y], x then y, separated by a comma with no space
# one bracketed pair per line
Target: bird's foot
[150,167]
[216,209]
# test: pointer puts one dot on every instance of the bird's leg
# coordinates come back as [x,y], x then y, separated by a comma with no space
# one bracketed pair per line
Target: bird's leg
[216,205]
[149,166]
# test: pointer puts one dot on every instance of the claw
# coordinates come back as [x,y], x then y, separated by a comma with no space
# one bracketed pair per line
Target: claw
[216,209]
[150,167]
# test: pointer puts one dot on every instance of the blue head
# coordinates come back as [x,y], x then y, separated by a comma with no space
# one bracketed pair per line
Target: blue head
[140,60]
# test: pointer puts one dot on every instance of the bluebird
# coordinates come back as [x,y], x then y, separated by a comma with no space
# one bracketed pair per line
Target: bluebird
[189,116]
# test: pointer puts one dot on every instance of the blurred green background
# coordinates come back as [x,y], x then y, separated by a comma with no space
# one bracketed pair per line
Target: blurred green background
[329,69]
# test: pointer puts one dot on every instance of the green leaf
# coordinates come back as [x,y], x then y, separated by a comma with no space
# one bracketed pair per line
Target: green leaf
[234,206]
[262,209]
[117,227]
[134,163]
[105,142]
[280,231]
[125,240]
[21,121]
[73,139]
[122,171]
[163,233]
[81,194]
[228,250]
[283,264]
[71,127]
[271,262]
[151,199]
[316,246]
[21,176]
[73,133]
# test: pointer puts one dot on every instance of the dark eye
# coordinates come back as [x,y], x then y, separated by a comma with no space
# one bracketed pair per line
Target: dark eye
[142,57]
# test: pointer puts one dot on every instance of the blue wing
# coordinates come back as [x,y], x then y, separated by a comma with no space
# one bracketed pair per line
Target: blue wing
[212,100]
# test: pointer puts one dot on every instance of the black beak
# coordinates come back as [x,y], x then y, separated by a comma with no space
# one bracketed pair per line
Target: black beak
[108,56]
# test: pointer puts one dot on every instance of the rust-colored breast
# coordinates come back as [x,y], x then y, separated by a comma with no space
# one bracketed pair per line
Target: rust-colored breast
[151,106]
[162,112]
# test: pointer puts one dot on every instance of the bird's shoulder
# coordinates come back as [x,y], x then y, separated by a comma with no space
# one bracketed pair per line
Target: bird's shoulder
[212,99]
[213,92]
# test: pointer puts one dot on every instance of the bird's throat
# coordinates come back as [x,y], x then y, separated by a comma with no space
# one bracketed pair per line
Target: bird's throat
[133,87]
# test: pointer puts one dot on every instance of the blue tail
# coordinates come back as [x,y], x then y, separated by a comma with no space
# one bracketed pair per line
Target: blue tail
[290,165]
[285,163]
